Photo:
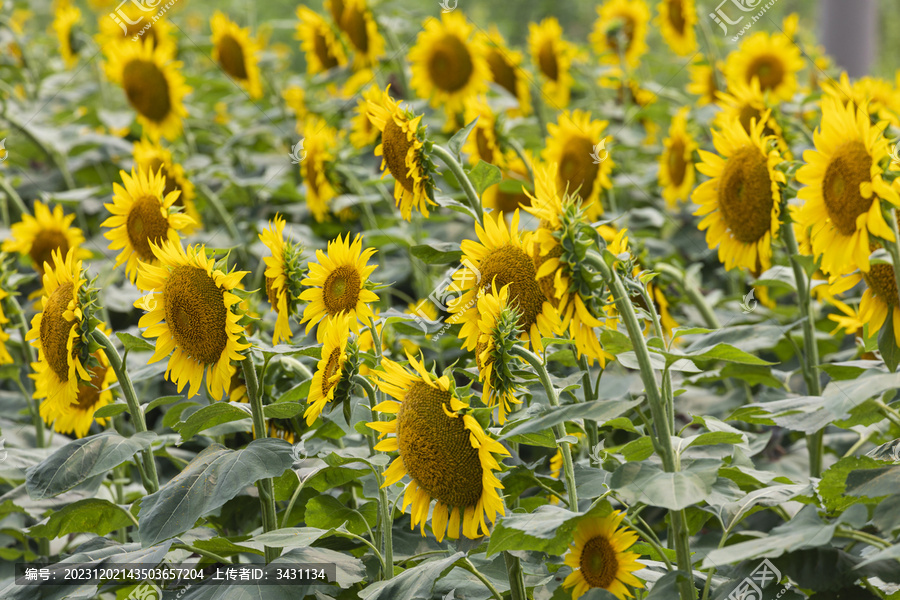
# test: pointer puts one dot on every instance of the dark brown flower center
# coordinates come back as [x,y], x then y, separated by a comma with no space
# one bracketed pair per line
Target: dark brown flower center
[341,290]
[196,313]
[147,89]
[450,65]
[576,167]
[144,224]
[502,72]
[769,69]
[547,61]
[323,51]
[745,195]
[55,330]
[43,246]
[89,395]
[395,147]
[676,15]
[677,164]
[332,367]
[354,25]
[231,57]
[599,565]
[510,265]
[850,166]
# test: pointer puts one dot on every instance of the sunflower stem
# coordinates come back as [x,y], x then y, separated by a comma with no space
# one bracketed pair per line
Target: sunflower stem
[148,474]
[516,577]
[658,412]
[560,430]
[216,203]
[810,357]
[14,196]
[457,169]
[689,286]
[590,426]
[466,564]
[293,500]
[260,431]
[520,152]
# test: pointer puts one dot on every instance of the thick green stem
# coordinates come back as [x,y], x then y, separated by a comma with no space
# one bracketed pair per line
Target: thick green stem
[692,292]
[474,201]
[264,486]
[468,566]
[201,552]
[148,473]
[560,430]
[14,196]
[658,412]
[810,358]
[589,425]
[516,577]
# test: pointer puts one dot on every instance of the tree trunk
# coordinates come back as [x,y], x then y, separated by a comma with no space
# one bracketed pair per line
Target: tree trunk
[850,33]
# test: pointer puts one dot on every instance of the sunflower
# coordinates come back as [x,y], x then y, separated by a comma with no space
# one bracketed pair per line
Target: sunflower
[843,187]
[76,418]
[598,557]
[56,332]
[512,191]
[741,202]
[363,132]
[236,52]
[5,357]
[151,157]
[153,85]
[141,216]
[621,21]
[483,142]
[553,56]
[676,23]
[317,39]
[282,277]
[191,311]
[704,82]
[676,164]
[64,22]
[747,102]
[506,69]
[402,150]
[447,455]
[38,236]
[136,19]
[578,145]
[501,257]
[328,371]
[876,94]
[359,26]
[446,69]
[773,59]
[339,284]
[319,144]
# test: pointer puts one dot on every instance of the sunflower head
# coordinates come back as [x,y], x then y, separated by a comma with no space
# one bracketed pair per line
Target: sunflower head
[506,69]
[620,32]
[484,142]
[319,143]
[235,51]
[444,450]
[553,56]
[321,46]
[676,164]
[599,559]
[284,271]
[498,322]
[64,25]
[773,59]
[159,36]
[358,24]
[38,236]
[154,158]
[403,150]
[331,381]
[363,132]
[676,22]
[704,82]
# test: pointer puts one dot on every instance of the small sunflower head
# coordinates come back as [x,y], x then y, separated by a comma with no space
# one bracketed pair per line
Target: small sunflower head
[500,331]
[284,272]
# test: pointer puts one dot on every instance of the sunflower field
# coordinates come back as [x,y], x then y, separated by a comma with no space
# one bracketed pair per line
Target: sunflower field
[392,300]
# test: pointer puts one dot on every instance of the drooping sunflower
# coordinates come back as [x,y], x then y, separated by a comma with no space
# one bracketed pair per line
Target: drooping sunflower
[76,418]
[553,56]
[141,215]
[483,142]
[319,144]
[447,455]
[620,32]
[676,22]
[676,164]
[879,301]
[741,202]
[328,370]
[159,35]
[501,257]
[38,236]
[318,41]
[704,82]
[359,25]
[339,283]
[56,332]
[66,18]
[771,58]
[747,102]
[446,67]
[578,145]
[282,277]
[506,68]
[844,187]
[151,157]
[599,559]
[191,311]
[497,324]
[363,132]
[402,150]
[235,50]
[153,85]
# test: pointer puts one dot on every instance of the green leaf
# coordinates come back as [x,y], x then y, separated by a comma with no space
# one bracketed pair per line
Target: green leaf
[600,411]
[289,537]
[133,343]
[437,253]
[225,547]
[213,478]
[92,515]
[331,477]
[81,460]
[843,396]
[648,483]
[350,570]
[548,529]
[666,587]
[161,401]
[173,415]
[833,486]
[887,515]
[327,512]
[716,437]
[110,410]
[887,345]
[484,175]
[874,482]
[210,416]
[638,450]
[282,410]
[459,138]
[413,583]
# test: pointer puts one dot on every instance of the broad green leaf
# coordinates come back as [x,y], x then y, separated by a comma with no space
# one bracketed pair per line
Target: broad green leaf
[92,515]
[210,416]
[289,537]
[313,351]
[350,570]
[173,415]
[133,343]
[842,396]
[666,587]
[283,410]
[484,175]
[213,478]
[596,411]
[161,401]
[548,529]
[81,460]
[413,583]
[225,547]
[716,437]
[647,483]
[887,345]
[331,477]
[110,410]
[832,487]
[874,482]
[459,138]
[327,512]
[437,253]
[887,515]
